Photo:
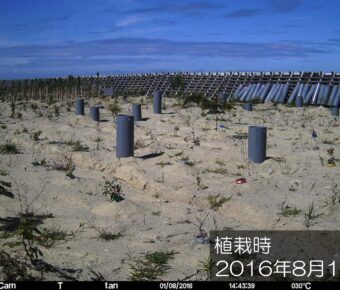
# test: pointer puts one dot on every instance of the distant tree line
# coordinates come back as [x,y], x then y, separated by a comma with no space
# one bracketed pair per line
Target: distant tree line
[51,88]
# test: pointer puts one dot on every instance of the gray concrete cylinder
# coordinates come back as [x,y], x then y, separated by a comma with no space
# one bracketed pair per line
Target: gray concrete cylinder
[299,102]
[335,111]
[80,107]
[257,143]
[94,113]
[137,112]
[125,136]
[248,107]
[157,102]
[222,98]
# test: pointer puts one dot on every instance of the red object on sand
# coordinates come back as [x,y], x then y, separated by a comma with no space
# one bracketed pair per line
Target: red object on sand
[240,181]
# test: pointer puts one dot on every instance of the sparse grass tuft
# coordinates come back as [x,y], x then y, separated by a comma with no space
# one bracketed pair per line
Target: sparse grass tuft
[279,159]
[207,267]
[9,148]
[42,162]
[220,162]
[97,276]
[177,154]
[151,267]
[77,146]
[186,161]
[328,141]
[216,202]
[48,237]
[196,141]
[105,234]
[160,257]
[69,172]
[98,140]
[162,163]
[217,170]
[289,211]
[240,136]
[310,215]
[109,236]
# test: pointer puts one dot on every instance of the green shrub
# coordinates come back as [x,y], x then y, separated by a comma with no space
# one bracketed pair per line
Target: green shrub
[9,148]
[177,82]
[113,190]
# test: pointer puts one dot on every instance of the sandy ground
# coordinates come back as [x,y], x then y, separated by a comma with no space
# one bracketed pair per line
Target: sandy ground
[166,195]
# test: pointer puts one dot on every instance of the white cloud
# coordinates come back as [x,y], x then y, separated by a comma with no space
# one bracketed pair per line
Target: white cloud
[11,61]
[130,20]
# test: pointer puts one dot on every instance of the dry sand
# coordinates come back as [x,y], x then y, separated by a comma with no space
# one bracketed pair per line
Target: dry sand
[166,196]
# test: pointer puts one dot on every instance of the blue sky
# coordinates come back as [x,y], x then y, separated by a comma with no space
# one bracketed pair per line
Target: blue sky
[40,38]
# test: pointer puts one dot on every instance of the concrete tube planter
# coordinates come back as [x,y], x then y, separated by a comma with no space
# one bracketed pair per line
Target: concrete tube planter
[257,143]
[80,111]
[157,102]
[137,112]
[125,136]
[94,113]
